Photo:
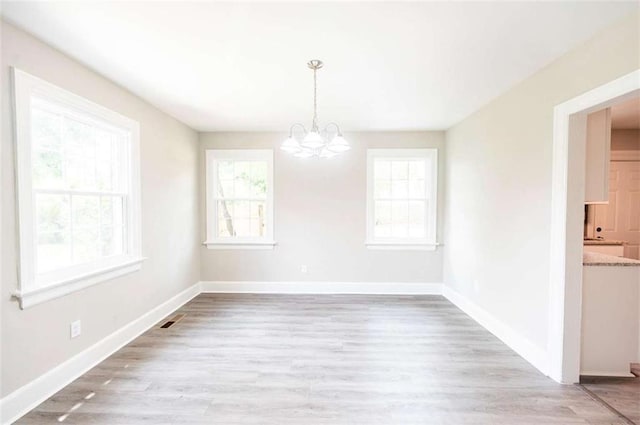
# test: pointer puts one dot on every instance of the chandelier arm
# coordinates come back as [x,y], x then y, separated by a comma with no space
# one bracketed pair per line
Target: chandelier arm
[297,124]
[326,127]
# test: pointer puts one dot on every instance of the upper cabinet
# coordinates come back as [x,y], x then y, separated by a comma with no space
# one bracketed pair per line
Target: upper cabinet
[597,157]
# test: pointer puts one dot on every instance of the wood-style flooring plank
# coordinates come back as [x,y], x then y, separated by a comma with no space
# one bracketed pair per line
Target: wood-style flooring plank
[318,359]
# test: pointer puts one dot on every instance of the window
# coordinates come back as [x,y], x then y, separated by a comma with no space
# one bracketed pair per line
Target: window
[78,191]
[239,199]
[402,198]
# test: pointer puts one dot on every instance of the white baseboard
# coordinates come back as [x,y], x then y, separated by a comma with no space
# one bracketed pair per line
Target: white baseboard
[26,398]
[370,288]
[525,348]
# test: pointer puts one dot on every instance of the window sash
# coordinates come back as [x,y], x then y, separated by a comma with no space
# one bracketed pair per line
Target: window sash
[54,274]
[428,156]
[213,158]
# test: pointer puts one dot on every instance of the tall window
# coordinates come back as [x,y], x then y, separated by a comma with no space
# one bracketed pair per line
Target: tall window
[239,199]
[402,198]
[77,190]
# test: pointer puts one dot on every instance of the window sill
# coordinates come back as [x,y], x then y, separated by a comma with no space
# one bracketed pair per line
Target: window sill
[67,286]
[402,246]
[240,245]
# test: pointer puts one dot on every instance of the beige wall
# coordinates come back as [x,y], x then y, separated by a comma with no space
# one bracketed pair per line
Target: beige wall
[320,210]
[499,183]
[625,140]
[37,339]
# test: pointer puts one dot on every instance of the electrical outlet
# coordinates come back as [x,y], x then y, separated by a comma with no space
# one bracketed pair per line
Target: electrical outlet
[76,329]
[303,268]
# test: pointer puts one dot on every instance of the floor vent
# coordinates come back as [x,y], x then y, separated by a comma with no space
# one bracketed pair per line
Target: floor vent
[175,319]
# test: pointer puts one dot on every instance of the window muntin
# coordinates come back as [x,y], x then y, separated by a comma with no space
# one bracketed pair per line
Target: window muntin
[239,190]
[402,196]
[78,186]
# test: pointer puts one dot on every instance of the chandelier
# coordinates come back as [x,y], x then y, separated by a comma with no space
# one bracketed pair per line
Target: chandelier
[324,143]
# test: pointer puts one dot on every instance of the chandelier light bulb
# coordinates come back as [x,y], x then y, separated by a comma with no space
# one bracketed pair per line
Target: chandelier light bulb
[291,145]
[312,140]
[338,145]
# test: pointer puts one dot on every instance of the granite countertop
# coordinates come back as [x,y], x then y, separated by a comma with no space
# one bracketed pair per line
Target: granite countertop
[598,259]
[602,242]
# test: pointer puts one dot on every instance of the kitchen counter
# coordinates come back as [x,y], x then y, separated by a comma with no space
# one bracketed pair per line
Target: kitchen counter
[601,242]
[598,259]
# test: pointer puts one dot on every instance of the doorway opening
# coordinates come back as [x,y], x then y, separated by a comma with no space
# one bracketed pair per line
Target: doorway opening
[567,221]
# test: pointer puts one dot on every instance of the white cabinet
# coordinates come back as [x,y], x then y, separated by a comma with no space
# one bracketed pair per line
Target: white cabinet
[598,153]
[610,320]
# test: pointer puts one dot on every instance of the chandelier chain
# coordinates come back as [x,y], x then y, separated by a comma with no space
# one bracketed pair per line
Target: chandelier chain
[315,101]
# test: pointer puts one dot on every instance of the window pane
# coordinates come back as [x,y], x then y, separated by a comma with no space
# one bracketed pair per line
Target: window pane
[226,226]
[242,174]
[417,169]
[47,169]
[80,155]
[111,210]
[382,225]
[53,213]
[399,218]
[241,209]
[85,244]
[226,188]
[53,251]
[258,209]
[242,227]
[382,189]
[85,212]
[46,128]
[53,232]
[111,240]
[417,189]
[382,169]
[105,164]
[400,189]
[400,170]
[259,179]
[225,170]
[417,218]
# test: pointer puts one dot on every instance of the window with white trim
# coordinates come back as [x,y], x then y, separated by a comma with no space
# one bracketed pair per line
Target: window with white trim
[239,198]
[402,198]
[78,191]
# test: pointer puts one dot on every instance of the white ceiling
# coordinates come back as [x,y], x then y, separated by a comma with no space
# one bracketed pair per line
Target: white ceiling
[626,115]
[388,66]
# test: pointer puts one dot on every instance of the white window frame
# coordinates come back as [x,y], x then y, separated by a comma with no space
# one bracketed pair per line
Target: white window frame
[33,288]
[213,241]
[428,243]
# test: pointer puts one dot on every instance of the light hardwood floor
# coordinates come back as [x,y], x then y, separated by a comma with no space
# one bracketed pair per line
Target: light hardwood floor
[622,394]
[318,359]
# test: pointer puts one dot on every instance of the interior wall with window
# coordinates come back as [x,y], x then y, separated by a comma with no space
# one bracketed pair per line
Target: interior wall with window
[36,339]
[499,162]
[320,215]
